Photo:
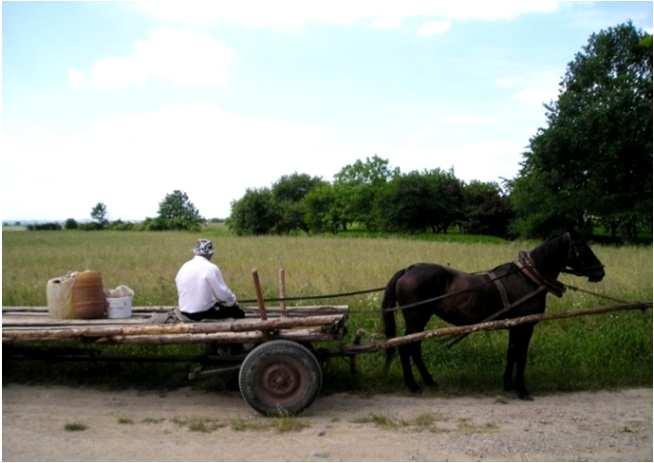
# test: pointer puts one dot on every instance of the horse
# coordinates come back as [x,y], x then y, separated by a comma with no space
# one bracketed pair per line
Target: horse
[507,291]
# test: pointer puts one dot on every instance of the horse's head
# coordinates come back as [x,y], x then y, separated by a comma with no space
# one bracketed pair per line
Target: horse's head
[581,260]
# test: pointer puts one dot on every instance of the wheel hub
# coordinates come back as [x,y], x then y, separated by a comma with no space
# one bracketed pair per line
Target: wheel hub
[280,380]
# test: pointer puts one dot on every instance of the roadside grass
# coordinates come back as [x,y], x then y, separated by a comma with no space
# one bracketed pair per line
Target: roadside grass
[423,422]
[606,351]
[76,426]
[199,424]
[150,420]
[466,426]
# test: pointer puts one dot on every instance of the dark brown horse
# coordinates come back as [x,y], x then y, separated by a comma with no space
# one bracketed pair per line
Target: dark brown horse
[508,291]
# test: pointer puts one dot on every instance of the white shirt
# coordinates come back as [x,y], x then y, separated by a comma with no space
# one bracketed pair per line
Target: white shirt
[200,285]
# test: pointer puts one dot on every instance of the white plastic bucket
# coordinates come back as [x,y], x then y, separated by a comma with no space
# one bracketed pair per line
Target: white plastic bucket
[119,307]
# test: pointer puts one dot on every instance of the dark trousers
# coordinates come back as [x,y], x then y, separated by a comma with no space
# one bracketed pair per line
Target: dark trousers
[217,312]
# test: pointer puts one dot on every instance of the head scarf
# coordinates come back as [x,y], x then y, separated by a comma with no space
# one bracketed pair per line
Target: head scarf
[203,248]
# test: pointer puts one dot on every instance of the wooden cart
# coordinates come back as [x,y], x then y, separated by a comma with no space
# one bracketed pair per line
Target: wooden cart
[274,354]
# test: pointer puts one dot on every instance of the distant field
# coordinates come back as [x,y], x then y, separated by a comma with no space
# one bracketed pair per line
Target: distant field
[603,351]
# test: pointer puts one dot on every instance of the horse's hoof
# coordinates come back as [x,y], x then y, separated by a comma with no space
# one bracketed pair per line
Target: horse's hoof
[525,396]
[415,389]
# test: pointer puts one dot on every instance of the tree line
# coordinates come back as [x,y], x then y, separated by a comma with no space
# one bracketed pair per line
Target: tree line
[370,195]
[176,212]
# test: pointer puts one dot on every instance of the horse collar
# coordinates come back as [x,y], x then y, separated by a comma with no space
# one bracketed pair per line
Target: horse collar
[528,268]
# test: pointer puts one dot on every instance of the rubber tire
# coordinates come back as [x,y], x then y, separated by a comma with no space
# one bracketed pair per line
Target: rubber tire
[283,352]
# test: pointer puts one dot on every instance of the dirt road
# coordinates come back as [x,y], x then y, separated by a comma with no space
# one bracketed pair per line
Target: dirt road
[42,423]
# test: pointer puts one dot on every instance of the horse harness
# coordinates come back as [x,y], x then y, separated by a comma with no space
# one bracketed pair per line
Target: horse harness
[527,267]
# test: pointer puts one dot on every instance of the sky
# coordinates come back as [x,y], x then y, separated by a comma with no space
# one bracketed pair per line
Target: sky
[124,102]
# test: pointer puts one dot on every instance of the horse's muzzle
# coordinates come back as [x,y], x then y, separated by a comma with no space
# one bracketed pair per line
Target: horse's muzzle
[596,276]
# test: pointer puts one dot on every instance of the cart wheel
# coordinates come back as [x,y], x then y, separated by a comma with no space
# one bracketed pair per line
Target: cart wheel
[280,377]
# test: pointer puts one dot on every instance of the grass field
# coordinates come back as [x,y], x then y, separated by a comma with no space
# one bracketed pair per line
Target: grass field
[593,352]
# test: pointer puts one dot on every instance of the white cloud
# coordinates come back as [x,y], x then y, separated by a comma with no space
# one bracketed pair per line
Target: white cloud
[130,161]
[175,56]
[292,14]
[468,120]
[386,23]
[432,28]
[485,159]
[533,88]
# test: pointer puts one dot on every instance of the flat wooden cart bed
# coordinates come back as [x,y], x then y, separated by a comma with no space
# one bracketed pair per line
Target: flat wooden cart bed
[273,352]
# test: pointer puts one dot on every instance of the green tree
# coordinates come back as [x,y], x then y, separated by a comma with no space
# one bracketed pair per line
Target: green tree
[417,201]
[70,224]
[177,212]
[486,210]
[254,214]
[593,162]
[371,171]
[324,209]
[288,194]
[358,186]
[99,214]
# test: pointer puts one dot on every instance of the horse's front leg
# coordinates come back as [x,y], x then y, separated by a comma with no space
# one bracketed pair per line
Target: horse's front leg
[510,364]
[520,337]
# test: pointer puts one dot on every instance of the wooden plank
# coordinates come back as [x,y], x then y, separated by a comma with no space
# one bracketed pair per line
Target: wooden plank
[9,321]
[219,338]
[158,309]
[44,333]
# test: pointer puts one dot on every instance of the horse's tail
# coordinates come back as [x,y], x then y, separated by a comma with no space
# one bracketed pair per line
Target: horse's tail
[388,316]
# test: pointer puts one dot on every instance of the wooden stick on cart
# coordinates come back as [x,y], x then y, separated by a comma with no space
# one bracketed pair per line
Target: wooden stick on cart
[257,288]
[282,291]
[490,326]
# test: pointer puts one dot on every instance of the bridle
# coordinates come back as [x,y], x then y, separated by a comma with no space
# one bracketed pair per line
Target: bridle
[528,268]
[584,271]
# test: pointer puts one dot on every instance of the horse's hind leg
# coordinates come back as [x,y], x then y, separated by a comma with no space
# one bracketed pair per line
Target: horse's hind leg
[405,359]
[420,364]
[415,324]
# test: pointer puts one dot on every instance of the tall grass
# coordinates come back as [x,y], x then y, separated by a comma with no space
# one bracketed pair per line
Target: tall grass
[603,351]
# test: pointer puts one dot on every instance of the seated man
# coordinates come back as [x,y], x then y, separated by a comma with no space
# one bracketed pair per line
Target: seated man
[202,291]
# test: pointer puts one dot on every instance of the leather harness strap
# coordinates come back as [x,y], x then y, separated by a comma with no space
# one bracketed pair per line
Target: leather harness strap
[500,288]
[528,268]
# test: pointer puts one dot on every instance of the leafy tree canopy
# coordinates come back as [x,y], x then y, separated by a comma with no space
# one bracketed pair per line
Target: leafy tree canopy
[177,212]
[421,200]
[254,214]
[371,171]
[99,214]
[486,209]
[593,161]
[294,187]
